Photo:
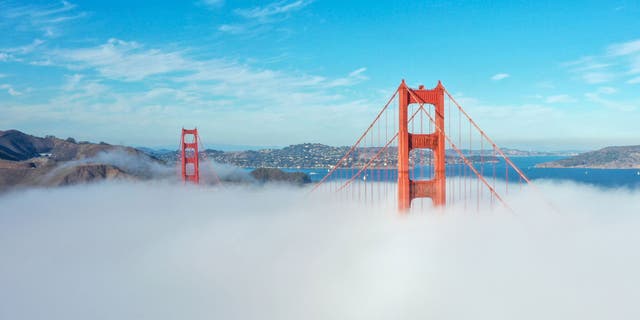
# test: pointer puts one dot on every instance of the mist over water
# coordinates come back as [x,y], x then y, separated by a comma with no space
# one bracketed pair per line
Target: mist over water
[162,251]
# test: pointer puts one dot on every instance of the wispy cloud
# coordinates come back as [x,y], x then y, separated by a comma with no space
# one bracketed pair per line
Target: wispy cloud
[156,87]
[601,96]
[38,12]
[131,61]
[591,69]
[10,90]
[254,20]
[618,62]
[45,19]
[629,51]
[500,76]
[546,84]
[606,90]
[211,3]
[28,48]
[124,60]
[587,64]
[233,28]
[560,98]
[354,77]
[625,48]
[72,82]
[273,10]
[17,53]
[597,77]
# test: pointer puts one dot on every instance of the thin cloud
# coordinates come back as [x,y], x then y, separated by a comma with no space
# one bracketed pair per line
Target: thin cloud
[606,90]
[592,70]
[597,77]
[72,82]
[272,10]
[500,76]
[587,64]
[125,60]
[625,48]
[232,29]
[132,61]
[546,84]
[212,3]
[42,18]
[619,61]
[13,92]
[353,78]
[255,20]
[602,97]
[170,85]
[37,12]
[10,90]
[18,53]
[25,48]
[560,98]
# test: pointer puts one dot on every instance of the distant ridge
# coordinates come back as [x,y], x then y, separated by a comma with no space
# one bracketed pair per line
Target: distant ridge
[615,157]
[18,146]
[30,161]
[27,160]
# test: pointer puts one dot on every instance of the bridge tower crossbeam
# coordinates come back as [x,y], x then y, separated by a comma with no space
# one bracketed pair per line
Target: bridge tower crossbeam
[434,188]
[189,160]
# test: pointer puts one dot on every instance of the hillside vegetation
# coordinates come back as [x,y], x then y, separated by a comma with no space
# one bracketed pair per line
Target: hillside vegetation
[619,157]
[27,160]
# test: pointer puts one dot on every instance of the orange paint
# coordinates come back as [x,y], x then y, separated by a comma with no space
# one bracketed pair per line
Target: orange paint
[189,156]
[436,187]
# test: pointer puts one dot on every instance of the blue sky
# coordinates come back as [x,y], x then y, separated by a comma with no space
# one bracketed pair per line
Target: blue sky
[534,74]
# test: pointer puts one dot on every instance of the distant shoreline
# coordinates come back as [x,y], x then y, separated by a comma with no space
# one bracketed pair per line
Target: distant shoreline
[617,157]
[541,166]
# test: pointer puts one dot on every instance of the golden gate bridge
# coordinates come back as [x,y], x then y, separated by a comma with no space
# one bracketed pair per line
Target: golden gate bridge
[421,146]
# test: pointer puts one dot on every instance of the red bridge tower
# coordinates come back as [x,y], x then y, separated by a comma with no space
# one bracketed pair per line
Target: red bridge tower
[189,156]
[435,188]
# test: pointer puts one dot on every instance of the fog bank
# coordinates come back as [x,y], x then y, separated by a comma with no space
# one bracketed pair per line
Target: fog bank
[160,251]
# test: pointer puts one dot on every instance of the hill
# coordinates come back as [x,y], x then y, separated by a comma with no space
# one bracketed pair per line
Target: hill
[27,160]
[18,146]
[616,157]
[276,175]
